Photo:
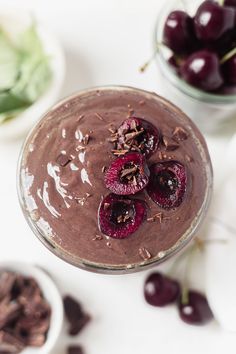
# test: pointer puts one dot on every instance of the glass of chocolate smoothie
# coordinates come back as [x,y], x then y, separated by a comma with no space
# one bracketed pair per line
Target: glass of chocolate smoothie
[114,179]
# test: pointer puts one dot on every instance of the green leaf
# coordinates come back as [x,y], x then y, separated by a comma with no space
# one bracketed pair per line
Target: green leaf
[30,43]
[4,117]
[10,102]
[35,72]
[9,62]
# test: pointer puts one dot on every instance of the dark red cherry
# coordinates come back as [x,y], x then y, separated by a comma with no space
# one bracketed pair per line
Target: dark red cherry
[231,3]
[196,310]
[227,90]
[213,20]
[229,70]
[167,184]
[119,216]
[178,32]
[136,134]
[160,290]
[202,70]
[127,174]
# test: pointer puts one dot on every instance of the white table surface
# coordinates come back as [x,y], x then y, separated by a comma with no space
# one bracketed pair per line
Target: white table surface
[105,42]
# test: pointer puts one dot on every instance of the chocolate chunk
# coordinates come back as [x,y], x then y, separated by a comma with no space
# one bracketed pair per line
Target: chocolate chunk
[75,349]
[75,315]
[169,143]
[7,280]
[10,343]
[180,134]
[36,340]
[9,311]
[63,160]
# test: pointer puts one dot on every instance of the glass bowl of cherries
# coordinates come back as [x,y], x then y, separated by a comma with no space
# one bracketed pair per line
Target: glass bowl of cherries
[195,47]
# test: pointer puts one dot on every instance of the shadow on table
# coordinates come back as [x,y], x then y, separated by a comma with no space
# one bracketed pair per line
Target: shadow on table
[77,75]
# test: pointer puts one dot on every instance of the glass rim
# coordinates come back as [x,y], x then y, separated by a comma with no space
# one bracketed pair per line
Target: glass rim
[110,268]
[169,73]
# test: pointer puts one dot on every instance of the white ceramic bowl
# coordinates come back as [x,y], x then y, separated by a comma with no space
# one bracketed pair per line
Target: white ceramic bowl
[14,21]
[51,294]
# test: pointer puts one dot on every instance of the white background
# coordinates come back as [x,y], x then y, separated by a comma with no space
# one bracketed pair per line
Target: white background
[105,41]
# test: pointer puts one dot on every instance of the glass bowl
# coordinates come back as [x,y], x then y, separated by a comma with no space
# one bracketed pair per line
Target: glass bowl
[209,111]
[29,206]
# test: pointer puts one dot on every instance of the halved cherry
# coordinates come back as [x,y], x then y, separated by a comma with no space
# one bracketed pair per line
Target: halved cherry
[119,216]
[167,184]
[136,134]
[127,174]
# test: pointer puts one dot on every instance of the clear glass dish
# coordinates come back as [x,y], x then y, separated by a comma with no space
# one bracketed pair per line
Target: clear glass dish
[209,111]
[28,205]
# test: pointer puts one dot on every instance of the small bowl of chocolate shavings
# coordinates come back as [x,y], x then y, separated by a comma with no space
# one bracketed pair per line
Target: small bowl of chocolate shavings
[31,309]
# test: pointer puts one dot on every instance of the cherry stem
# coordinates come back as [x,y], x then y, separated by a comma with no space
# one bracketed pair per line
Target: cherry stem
[143,68]
[228,56]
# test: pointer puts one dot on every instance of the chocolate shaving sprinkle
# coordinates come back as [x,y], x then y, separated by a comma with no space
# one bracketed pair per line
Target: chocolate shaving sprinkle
[80,118]
[129,172]
[98,238]
[104,169]
[180,134]
[113,139]
[119,152]
[82,200]
[130,136]
[86,139]
[99,116]
[169,143]
[158,216]
[113,131]
[144,253]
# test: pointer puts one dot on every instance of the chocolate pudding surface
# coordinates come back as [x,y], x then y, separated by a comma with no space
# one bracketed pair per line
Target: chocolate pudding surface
[62,176]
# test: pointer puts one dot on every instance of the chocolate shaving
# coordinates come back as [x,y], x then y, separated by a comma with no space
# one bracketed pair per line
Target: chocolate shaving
[144,253]
[77,318]
[113,139]
[86,139]
[119,152]
[98,115]
[7,280]
[82,200]
[9,343]
[112,130]
[98,238]
[180,134]
[75,349]
[169,143]
[9,311]
[130,136]
[129,172]
[158,216]
[104,169]
[80,118]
